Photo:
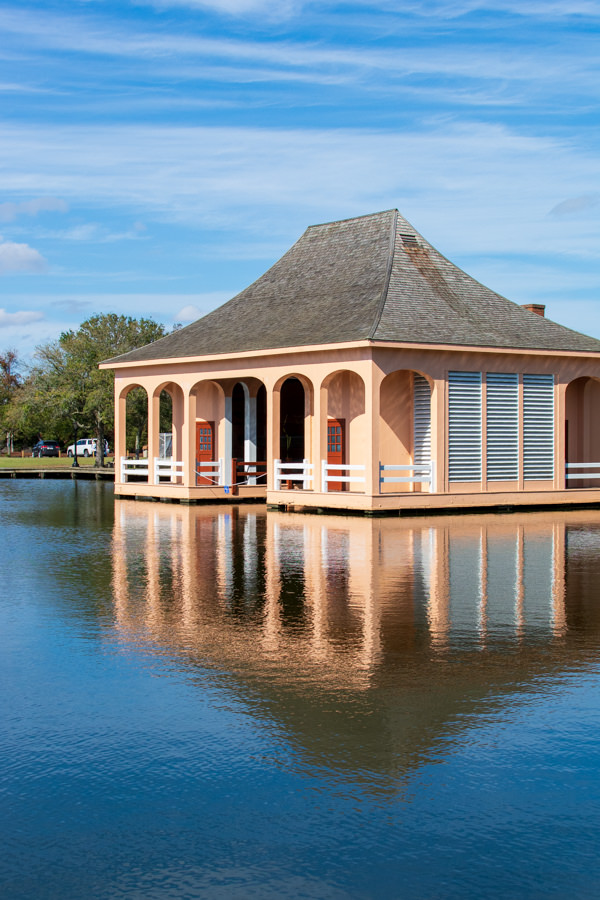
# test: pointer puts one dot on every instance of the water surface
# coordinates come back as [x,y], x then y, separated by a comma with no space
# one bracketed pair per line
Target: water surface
[221,702]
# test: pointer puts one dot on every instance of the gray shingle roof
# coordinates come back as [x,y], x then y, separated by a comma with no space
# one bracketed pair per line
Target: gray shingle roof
[374,278]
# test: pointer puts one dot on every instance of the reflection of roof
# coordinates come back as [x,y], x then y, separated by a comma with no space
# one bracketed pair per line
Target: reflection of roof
[370,278]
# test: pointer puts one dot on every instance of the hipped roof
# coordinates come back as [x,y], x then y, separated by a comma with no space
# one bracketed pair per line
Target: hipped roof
[369,278]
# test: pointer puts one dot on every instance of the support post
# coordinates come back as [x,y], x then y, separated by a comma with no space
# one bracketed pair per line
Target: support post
[153,431]
[228,434]
[276,475]
[306,474]
[273,435]
[250,432]
[188,430]
[373,379]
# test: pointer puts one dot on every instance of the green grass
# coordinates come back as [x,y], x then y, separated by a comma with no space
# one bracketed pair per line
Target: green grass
[46,462]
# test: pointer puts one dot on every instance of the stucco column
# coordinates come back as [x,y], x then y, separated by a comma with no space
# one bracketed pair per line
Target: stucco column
[373,378]
[560,450]
[188,444]
[120,427]
[153,431]
[318,434]
[439,444]
[227,452]
[273,436]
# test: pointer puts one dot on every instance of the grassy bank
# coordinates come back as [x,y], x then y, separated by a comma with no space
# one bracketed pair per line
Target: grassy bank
[46,462]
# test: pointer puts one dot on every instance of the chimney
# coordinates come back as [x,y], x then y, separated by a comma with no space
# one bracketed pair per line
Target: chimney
[538,308]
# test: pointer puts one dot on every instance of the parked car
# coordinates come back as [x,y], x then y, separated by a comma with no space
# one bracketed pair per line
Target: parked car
[85,447]
[46,448]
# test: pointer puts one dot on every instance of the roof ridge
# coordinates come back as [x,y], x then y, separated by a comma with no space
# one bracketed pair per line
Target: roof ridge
[388,275]
[382,212]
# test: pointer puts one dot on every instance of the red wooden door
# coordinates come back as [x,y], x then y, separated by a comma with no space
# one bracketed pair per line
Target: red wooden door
[204,449]
[336,450]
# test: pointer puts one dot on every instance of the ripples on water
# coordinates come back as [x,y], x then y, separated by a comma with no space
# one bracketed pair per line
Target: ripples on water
[217,702]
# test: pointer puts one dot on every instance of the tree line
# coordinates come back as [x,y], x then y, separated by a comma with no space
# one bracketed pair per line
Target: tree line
[64,391]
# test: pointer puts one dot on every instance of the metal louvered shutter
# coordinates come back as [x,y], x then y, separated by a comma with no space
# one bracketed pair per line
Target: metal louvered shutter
[538,427]
[464,426]
[421,421]
[502,427]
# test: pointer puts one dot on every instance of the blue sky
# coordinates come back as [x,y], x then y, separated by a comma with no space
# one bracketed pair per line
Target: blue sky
[157,157]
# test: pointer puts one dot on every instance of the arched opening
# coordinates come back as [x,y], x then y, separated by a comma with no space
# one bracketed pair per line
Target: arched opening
[247,411]
[165,437]
[582,427]
[292,415]
[405,433]
[209,433]
[165,444]
[238,416]
[346,425]
[261,423]
[131,434]
[136,422]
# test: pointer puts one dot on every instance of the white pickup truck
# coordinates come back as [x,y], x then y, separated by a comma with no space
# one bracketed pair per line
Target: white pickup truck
[85,447]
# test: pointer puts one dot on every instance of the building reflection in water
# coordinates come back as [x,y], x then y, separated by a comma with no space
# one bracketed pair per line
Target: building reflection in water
[360,636]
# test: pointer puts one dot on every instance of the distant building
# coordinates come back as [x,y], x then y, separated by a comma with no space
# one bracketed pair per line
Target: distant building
[366,371]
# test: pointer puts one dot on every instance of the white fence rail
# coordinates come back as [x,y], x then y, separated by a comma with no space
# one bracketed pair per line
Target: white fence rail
[583,471]
[212,469]
[167,467]
[328,476]
[133,467]
[421,474]
[284,471]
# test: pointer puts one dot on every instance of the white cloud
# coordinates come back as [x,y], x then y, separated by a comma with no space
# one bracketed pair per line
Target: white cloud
[86,232]
[17,258]
[575,205]
[159,306]
[29,329]
[472,185]
[270,8]
[171,53]
[16,319]
[30,334]
[188,314]
[94,233]
[547,9]
[11,211]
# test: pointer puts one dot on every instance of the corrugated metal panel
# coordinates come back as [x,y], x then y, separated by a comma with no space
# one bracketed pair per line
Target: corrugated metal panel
[464,426]
[421,421]
[538,427]
[502,426]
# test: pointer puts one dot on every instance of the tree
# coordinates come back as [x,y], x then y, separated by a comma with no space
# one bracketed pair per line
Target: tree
[10,382]
[67,383]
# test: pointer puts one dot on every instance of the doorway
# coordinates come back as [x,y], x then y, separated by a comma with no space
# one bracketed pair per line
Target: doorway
[204,450]
[336,450]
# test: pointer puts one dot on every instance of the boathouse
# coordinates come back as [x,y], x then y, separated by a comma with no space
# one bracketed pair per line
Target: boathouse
[366,371]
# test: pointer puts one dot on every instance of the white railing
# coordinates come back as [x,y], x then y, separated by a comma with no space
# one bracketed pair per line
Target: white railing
[213,469]
[133,467]
[328,468]
[166,467]
[422,474]
[582,472]
[284,471]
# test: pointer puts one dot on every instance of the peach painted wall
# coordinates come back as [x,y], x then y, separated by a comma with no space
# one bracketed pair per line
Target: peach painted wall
[346,400]
[366,365]
[396,429]
[210,407]
[582,412]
